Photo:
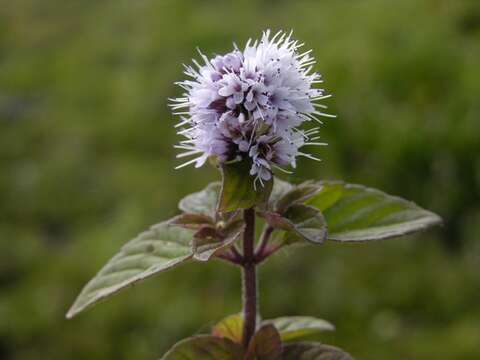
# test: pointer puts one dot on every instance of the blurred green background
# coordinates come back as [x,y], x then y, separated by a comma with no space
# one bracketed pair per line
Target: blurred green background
[87,162]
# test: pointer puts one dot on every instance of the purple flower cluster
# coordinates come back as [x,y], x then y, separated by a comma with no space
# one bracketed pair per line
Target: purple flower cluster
[251,103]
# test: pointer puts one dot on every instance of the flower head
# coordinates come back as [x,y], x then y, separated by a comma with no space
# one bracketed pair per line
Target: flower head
[251,103]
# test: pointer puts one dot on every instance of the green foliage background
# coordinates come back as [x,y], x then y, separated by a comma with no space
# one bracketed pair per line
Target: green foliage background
[86,162]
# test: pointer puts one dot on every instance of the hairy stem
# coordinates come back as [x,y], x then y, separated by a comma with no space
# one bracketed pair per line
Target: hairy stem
[249,277]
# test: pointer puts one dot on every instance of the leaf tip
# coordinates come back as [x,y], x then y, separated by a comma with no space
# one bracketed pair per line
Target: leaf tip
[70,314]
[437,220]
[76,309]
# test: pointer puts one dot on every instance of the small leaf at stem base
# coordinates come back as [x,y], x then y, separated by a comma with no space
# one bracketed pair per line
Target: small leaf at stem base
[265,344]
[205,347]
[230,327]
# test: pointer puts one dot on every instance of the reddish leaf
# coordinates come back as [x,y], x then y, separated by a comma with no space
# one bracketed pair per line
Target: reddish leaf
[205,347]
[265,344]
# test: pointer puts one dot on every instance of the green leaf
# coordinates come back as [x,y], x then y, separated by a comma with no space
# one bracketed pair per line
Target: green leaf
[192,221]
[205,347]
[202,202]
[300,223]
[160,248]
[308,224]
[231,224]
[296,195]
[296,327]
[279,190]
[205,248]
[357,213]
[230,327]
[313,351]
[239,190]
[277,221]
[265,344]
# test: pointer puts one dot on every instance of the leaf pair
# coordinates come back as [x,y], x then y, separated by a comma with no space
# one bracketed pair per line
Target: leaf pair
[206,347]
[289,327]
[269,342]
[302,213]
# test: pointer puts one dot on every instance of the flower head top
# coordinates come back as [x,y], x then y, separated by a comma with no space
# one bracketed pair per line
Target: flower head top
[251,103]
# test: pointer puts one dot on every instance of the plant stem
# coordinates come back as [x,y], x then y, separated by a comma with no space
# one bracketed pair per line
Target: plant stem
[263,243]
[249,277]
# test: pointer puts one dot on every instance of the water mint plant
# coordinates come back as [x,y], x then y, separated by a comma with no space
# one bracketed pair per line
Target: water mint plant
[252,112]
